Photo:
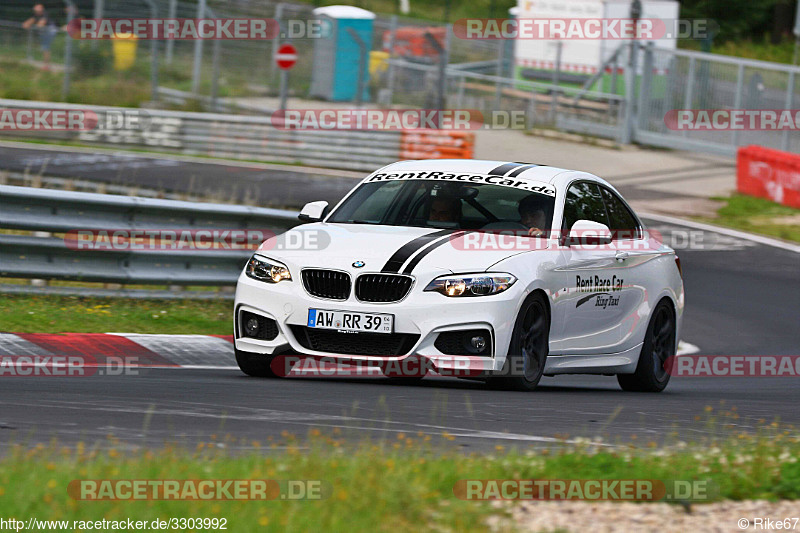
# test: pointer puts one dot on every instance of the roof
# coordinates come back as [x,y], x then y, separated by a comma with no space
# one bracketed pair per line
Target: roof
[344,12]
[517,170]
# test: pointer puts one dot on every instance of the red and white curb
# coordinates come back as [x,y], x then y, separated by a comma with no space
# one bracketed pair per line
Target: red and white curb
[129,349]
[143,350]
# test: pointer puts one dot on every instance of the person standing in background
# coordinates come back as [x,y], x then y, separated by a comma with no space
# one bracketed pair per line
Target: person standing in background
[46,28]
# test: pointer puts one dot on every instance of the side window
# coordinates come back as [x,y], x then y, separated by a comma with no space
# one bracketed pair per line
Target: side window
[623,223]
[583,202]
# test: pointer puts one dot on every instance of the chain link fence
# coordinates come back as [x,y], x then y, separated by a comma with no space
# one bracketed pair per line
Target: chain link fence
[420,64]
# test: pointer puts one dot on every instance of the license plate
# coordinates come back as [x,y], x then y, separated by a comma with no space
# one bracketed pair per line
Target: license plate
[350,321]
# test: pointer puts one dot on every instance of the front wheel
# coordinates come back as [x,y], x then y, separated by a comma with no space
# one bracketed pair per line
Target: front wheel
[652,374]
[254,364]
[527,353]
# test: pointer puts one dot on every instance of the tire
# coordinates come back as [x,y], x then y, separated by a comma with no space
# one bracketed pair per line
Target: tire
[255,365]
[659,345]
[530,342]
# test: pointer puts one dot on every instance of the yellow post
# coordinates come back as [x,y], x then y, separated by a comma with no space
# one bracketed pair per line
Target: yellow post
[124,46]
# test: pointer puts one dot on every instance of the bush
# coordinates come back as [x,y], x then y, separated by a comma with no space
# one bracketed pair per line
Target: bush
[92,61]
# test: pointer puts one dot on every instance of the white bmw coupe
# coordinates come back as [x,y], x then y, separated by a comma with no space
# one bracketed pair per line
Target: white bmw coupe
[518,270]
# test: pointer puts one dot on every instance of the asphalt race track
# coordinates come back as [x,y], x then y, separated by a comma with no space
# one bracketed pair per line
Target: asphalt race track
[265,185]
[252,183]
[743,298]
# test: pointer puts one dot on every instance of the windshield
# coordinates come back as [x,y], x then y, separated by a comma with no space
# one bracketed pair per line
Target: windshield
[426,204]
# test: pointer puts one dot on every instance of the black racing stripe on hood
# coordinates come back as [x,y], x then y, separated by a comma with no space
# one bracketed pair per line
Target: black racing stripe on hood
[407,250]
[502,169]
[414,262]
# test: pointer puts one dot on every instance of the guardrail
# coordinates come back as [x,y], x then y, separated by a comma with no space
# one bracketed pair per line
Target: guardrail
[50,258]
[244,137]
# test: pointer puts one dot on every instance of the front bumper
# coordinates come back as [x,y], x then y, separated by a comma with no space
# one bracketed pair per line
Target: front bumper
[425,314]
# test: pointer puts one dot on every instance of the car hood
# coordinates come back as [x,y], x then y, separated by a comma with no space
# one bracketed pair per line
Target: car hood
[339,246]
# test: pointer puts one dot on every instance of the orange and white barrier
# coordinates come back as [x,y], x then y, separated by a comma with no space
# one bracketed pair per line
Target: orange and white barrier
[437,144]
[770,174]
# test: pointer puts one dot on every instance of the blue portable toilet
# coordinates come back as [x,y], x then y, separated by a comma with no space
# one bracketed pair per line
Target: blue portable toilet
[337,55]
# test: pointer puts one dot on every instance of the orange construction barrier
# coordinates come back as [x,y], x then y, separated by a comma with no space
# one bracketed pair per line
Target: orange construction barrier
[437,144]
[769,173]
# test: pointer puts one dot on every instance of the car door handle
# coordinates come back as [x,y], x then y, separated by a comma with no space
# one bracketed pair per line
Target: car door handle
[621,256]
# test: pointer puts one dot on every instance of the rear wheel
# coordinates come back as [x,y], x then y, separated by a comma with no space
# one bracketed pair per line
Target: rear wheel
[652,374]
[255,364]
[527,353]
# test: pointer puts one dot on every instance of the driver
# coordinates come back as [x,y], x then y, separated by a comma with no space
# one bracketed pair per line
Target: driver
[445,209]
[533,214]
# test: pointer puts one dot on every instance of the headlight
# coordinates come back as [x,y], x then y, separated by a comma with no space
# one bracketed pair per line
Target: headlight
[472,284]
[267,270]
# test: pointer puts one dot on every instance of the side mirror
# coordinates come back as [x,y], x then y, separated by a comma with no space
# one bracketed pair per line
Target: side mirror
[588,232]
[313,211]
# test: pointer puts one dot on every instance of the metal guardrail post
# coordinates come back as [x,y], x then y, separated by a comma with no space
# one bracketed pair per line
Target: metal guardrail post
[737,104]
[215,73]
[460,96]
[67,50]
[198,51]
[362,64]
[788,105]
[499,73]
[555,79]
[215,56]
[644,87]
[530,110]
[689,95]
[623,136]
[172,10]
[97,14]
[630,94]
[391,72]
[448,46]
[153,55]
[613,88]
[276,41]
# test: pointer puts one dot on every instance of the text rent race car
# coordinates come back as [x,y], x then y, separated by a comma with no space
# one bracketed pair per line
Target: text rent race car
[518,270]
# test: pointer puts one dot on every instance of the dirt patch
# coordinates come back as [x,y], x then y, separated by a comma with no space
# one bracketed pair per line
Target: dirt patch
[611,517]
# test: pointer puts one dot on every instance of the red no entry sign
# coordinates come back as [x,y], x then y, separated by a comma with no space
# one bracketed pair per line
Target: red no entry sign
[286,56]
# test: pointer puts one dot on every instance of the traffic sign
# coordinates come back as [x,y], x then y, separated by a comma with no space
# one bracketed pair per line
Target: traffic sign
[286,56]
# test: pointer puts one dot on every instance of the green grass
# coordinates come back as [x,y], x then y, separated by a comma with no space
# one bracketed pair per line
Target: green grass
[402,482]
[763,50]
[129,88]
[72,314]
[25,82]
[758,215]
